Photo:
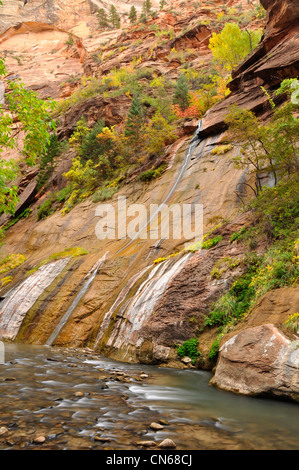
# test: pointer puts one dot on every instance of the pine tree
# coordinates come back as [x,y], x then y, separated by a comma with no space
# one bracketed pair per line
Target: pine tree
[134,130]
[133,14]
[48,161]
[181,95]
[114,17]
[134,119]
[146,7]
[103,19]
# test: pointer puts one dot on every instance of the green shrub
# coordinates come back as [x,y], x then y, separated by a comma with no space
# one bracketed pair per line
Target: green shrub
[292,323]
[46,208]
[63,194]
[214,351]
[104,194]
[207,244]
[149,175]
[11,262]
[189,348]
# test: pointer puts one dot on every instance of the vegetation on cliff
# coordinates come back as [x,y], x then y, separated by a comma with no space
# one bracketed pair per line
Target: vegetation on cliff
[272,149]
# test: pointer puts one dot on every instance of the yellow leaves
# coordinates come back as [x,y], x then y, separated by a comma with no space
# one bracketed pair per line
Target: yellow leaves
[11,262]
[67,253]
[221,149]
[157,82]
[107,134]
[5,280]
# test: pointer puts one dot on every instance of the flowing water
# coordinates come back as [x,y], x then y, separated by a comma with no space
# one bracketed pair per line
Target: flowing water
[89,278]
[74,398]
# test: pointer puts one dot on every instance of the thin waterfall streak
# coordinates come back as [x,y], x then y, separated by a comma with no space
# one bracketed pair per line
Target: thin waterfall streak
[20,300]
[140,308]
[90,277]
[122,295]
[194,142]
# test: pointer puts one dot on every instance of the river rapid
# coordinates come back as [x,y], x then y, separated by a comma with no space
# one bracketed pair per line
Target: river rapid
[76,399]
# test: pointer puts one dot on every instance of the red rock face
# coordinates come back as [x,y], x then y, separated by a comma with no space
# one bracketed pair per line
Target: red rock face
[276,58]
[282,17]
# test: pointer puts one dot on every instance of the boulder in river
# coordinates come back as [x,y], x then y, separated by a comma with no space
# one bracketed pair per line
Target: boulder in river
[259,361]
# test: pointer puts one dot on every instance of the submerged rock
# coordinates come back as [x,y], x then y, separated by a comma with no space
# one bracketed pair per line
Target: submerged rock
[39,440]
[3,430]
[167,444]
[156,426]
[259,361]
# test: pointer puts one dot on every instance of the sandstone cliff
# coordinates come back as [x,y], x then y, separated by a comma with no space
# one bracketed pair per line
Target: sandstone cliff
[133,309]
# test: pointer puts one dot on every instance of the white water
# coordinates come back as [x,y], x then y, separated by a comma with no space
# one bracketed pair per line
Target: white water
[138,311]
[90,277]
[20,299]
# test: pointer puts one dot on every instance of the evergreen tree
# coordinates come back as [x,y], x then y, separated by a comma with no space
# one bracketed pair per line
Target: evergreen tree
[114,17]
[133,14]
[134,130]
[181,95]
[146,7]
[134,119]
[48,161]
[103,18]
[162,4]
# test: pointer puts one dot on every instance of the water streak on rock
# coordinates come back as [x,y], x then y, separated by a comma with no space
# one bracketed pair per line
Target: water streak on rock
[137,312]
[19,300]
[89,278]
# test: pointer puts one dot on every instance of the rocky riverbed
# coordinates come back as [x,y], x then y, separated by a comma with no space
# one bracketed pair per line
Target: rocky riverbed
[53,398]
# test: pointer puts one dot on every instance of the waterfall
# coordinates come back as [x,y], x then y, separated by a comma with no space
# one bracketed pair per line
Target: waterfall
[193,144]
[89,278]
[19,300]
[120,298]
[138,311]
[134,313]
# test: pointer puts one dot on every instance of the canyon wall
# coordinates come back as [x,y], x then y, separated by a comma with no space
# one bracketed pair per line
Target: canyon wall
[136,308]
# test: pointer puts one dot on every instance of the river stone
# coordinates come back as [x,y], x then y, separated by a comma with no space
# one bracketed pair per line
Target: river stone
[167,444]
[186,360]
[3,430]
[258,361]
[156,426]
[143,376]
[163,421]
[101,439]
[146,443]
[39,440]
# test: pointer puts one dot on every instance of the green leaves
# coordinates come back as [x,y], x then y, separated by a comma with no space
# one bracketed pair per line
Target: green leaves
[33,115]
[189,348]
[23,112]
[271,147]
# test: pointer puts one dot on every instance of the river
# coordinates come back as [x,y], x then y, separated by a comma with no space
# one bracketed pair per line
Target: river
[79,400]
